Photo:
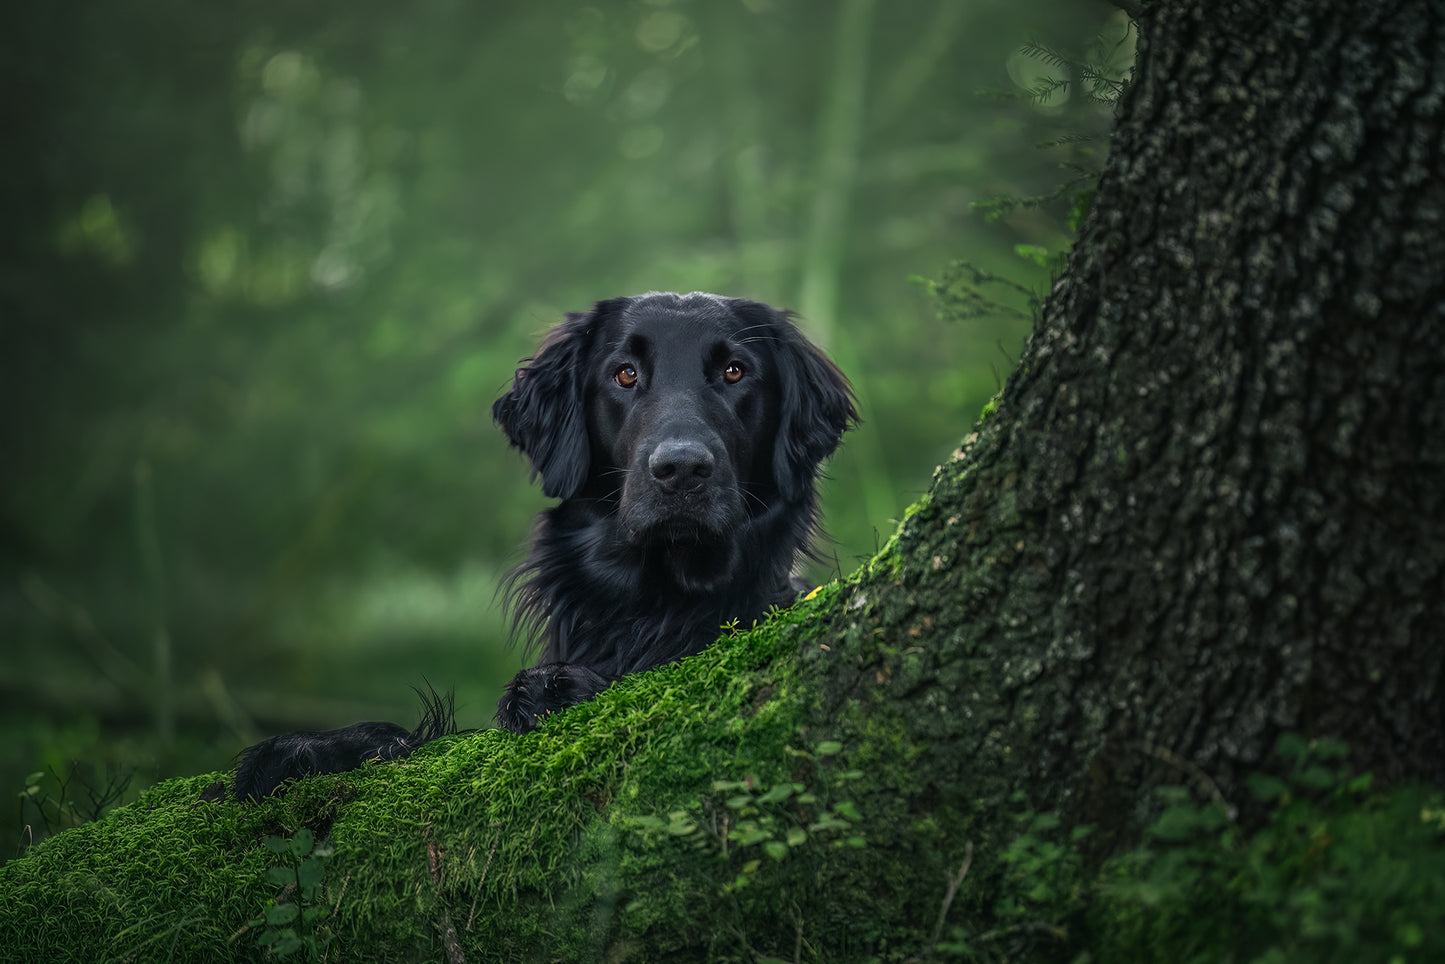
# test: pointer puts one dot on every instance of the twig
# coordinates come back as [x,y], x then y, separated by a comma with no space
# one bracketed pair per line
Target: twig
[953,885]
[1201,780]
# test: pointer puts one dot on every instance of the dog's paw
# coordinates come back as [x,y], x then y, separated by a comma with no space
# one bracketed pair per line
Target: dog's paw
[270,763]
[534,693]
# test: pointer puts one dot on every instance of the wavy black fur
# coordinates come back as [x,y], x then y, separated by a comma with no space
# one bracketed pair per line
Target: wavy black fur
[683,435]
[268,764]
[601,600]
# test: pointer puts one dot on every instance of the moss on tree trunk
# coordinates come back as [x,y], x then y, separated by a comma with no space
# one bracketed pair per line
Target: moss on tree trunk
[1208,508]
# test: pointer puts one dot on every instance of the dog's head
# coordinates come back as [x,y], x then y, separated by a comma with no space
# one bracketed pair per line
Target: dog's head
[687,413]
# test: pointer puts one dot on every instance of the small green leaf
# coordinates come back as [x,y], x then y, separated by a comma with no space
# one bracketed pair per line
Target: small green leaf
[828,748]
[301,842]
[1033,252]
[1266,788]
[1291,746]
[1361,783]
[287,945]
[281,914]
[775,849]
[1045,822]
[311,872]
[277,845]
[848,810]
[1316,778]
[797,836]
[1177,824]
[777,794]
[281,876]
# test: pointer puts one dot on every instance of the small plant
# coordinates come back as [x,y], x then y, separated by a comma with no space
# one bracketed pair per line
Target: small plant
[1042,889]
[1336,872]
[292,922]
[1102,74]
[58,802]
[748,820]
[740,840]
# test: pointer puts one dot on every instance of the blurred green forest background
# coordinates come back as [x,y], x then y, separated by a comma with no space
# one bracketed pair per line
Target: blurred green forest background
[267,265]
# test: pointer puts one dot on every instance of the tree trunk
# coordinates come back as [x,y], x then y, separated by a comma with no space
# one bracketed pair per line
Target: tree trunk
[1210,505]
[1207,509]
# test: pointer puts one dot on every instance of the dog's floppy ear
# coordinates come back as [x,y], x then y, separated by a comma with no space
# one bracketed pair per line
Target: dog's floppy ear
[816,406]
[543,414]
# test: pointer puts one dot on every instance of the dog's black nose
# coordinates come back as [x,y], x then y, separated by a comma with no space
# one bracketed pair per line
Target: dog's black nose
[678,464]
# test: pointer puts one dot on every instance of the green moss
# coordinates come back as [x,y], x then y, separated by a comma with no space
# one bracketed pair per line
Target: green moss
[506,837]
[989,408]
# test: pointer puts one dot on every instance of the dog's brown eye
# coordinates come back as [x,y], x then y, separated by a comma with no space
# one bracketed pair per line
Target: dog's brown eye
[626,376]
[733,373]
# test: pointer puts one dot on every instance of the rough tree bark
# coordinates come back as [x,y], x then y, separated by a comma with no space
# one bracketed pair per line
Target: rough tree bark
[1208,508]
[1211,503]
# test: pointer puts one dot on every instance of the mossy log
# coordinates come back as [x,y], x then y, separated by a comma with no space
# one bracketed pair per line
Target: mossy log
[1208,508]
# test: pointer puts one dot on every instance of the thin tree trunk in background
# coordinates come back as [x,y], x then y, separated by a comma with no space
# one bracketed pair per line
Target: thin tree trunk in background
[749,193]
[911,76]
[825,247]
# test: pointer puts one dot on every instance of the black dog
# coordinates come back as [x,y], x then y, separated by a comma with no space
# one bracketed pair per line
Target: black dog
[683,434]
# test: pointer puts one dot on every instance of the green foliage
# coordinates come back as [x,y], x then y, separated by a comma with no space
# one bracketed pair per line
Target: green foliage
[1102,73]
[739,842]
[746,816]
[292,921]
[1335,873]
[1041,887]
[966,292]
[1332,873]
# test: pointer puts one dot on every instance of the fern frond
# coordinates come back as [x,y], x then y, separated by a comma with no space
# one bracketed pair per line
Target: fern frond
[1047,55]
[1044,91]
